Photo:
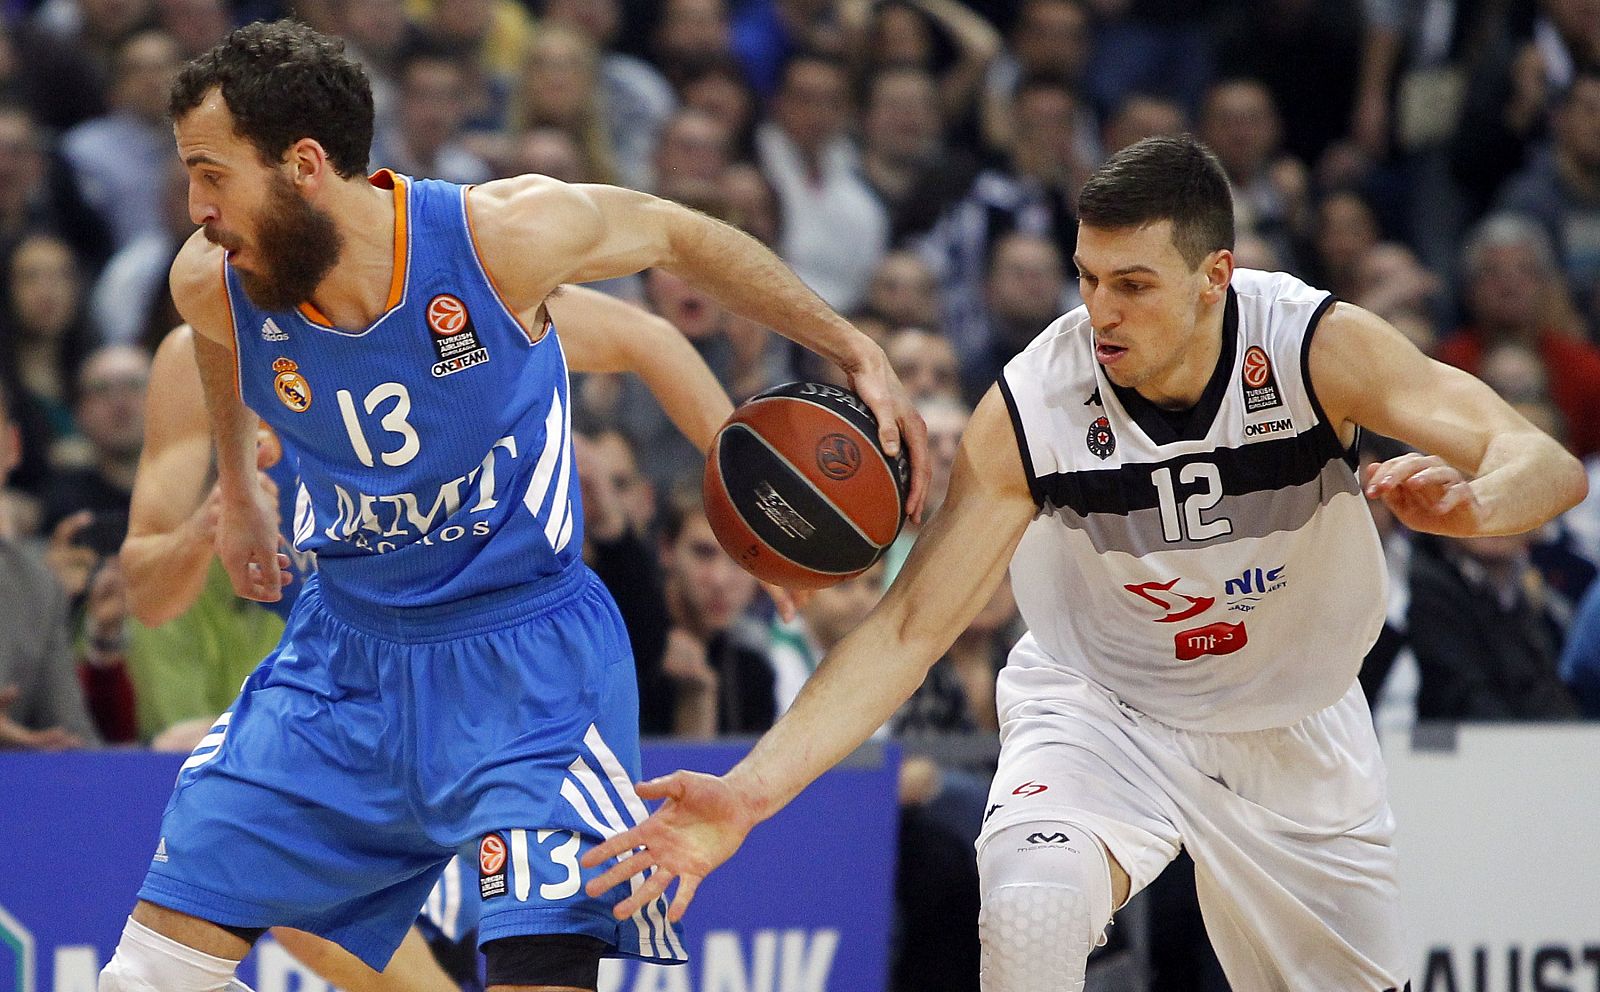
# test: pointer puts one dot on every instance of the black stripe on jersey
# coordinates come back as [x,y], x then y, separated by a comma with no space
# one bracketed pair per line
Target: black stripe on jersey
[1166,426]
[1022,440]
[1259,467]
[1351,455]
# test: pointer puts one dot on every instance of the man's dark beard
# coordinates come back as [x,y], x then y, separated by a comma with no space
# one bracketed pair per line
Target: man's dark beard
[298,246]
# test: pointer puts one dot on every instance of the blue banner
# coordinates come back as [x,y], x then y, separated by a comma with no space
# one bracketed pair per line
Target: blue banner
[803,907]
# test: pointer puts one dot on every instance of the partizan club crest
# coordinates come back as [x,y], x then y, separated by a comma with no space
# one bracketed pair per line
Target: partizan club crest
[1101,441]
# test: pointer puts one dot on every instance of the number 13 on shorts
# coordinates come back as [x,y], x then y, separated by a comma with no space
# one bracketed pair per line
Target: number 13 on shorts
[528,864]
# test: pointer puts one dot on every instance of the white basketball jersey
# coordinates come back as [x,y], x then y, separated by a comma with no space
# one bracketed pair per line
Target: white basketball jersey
[1219,574]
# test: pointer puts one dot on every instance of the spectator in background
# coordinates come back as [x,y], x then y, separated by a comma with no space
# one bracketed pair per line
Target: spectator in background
[1307,52]
[1050,39]
[1034,192]
[548,151]
[425,139]
[120,158]
[1143,115]
[1561,189]
[1485,632]
[946,39]
[196,25]
[43,335]
[1240,122]
[828,614]
[734,351]
[715,664]
[691,158]
[491,39]
[636,98]
[68,48]
[559,86]
[1026,290]
[1346,232]
[752,203]
[1394,284]
[925,363]
[766,35]
[904,156]
[903,292]
[110,397]
[834,230]
[1510,282]
[129,303]
[38,192]
[42,705]
[377,34]
[716,87]
[1507,108]
[691,33]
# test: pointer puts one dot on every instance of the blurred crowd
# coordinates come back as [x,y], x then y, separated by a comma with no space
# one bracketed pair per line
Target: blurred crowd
[916,162]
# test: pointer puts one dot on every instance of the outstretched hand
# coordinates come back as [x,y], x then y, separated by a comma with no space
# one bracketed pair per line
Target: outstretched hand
[1427,494]
[898,423]
[701,824]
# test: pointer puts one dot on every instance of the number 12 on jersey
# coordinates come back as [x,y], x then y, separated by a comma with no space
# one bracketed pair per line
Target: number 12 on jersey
[1186,523]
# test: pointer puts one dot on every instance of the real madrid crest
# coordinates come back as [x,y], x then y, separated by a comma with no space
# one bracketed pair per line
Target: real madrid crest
[1101,441]
[291,386]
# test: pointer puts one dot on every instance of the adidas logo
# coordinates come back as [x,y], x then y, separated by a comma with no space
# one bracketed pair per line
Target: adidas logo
[270,331]
[161,851]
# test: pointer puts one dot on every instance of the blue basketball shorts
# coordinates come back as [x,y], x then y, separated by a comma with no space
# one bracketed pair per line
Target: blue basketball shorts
[371,746]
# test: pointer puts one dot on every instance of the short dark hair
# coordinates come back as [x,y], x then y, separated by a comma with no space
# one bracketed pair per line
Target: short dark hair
[282,82]
[1164,178]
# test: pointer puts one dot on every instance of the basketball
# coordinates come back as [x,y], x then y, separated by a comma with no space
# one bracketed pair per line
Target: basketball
[798,490]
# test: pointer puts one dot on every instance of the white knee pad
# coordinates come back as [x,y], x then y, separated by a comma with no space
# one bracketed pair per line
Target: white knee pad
[147,961]
[1046,901]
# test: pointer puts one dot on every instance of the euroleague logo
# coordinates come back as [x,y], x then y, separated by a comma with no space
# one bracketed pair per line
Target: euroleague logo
[1257,369]
[838,457]
[491,854]
[1029,789]
[447,315]
[1260,389]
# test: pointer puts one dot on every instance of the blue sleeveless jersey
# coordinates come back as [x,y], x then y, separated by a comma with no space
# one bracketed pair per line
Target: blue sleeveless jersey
[433,447]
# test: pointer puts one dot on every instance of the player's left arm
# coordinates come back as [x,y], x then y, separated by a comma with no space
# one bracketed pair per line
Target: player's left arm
[1483,469]
[600,333]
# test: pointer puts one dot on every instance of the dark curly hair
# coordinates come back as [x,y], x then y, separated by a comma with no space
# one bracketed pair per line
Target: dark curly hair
[282,82]
[1164,178]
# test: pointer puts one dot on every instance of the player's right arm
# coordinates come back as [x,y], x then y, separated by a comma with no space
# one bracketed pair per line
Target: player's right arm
[954,568]
[172,524]
[247,536]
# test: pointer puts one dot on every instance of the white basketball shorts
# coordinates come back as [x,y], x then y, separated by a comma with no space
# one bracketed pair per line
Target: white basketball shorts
[1289,828]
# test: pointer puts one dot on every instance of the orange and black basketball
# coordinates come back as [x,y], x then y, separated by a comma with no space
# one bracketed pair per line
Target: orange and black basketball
[799,491]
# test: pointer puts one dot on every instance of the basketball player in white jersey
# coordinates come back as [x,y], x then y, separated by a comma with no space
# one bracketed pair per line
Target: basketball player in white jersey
[1168,471]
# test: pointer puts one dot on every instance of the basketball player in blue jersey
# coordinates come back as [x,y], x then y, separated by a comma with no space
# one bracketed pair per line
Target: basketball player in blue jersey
[1169,472]
[453,679]
[172,537]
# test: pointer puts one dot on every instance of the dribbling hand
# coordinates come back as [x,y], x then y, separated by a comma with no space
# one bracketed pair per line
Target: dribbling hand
[701,824]
[1425,493]
[898,422]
